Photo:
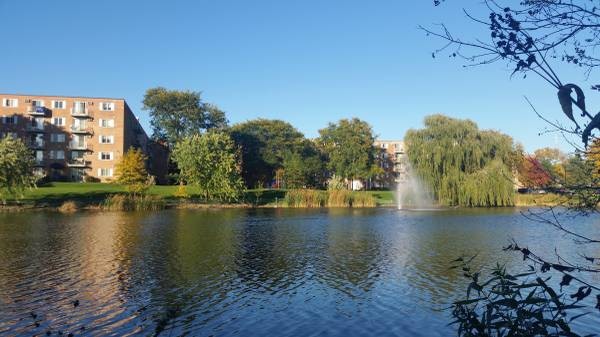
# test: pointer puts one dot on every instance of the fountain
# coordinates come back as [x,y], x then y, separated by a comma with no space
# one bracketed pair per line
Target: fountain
[412,193]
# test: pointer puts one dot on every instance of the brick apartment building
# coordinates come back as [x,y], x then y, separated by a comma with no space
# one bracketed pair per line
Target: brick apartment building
[392,159]
[75,138]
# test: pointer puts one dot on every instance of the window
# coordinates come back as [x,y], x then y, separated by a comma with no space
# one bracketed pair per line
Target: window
[57,154]
[57,138]
[76,155]
[105,172]
[105,155]
[79,108]
[107,139]
[37,103]
[37,123]
[39,156]
[10,102]
[107,106]
[12,135]
[10,120]
[58,121]
[107,123]
[59,104]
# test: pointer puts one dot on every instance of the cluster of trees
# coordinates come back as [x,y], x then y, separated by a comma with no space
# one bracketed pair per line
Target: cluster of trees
[223,159]
[463,166]
[550,168]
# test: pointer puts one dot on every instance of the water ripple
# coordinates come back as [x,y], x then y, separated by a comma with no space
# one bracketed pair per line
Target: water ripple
[246,272]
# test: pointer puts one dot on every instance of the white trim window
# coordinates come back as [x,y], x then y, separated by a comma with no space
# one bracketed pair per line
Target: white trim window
[107,123]
[105,172]
[10,102]
[79,108]
[59,104]
[107,106]
[57,138]
[59,121]
[14,119]
[107,139]
[105,156]
[37,103]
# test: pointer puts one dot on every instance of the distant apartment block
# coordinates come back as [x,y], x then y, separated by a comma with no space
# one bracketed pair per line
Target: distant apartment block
[77,138]
[392,159]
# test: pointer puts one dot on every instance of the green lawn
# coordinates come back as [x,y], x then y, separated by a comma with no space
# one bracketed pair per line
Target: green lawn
[54,194]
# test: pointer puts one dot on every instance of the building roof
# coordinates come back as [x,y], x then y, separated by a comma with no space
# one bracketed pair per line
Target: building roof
[65,96]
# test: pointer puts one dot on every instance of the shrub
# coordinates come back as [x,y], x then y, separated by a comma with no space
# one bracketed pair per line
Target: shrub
[305,198]
[68,207]
[130,202]
[131,172]
[90,179]
[362,199]
[336,183]
[181,192]
[339,198]
[16,168]
[210,163]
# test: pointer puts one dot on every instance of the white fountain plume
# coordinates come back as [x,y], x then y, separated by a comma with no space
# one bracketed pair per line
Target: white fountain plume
[412,193]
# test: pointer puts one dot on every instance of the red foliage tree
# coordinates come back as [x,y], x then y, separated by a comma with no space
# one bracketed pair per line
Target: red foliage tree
[532,173]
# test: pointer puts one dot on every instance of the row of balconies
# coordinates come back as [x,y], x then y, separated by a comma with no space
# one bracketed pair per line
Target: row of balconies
[73,129]
[40,143]
[43,111]
[79,162]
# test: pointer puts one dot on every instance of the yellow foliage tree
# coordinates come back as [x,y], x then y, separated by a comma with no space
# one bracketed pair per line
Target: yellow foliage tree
[131,171]
[593,156]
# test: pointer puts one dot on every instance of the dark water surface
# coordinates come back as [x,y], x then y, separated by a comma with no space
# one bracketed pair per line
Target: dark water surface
[278,272]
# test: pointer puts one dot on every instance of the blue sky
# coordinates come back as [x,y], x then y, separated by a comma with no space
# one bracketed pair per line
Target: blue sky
[306,62]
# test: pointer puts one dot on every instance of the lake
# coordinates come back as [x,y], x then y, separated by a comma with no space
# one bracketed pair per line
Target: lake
[265,272]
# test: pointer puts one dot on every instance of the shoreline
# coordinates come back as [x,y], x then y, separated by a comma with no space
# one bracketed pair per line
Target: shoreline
[217,206]
[70,197]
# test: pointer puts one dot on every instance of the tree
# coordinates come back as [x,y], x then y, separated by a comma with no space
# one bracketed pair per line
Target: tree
[453,157]
[16,168]
[550,155]
[131,171]
[210,162]
[593,157]
[177,114]
[304,168]
[579,172]
[264,144]
[532,36]
[532,174]
[349,148]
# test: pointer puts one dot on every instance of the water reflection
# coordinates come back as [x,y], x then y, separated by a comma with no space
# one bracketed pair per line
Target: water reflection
[247,272]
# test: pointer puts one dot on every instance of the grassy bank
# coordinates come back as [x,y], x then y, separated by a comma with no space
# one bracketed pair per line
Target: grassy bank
[546,199]
[87,195]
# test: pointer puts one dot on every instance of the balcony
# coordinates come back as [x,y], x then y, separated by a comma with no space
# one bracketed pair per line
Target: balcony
[37,110]
[81,113]
[36,144]
[80,147]
[81,129]
[34,128]
[79,162]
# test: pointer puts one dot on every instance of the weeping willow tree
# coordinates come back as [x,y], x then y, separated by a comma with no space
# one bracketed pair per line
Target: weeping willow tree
[463,166]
